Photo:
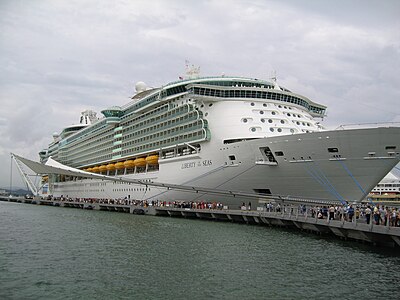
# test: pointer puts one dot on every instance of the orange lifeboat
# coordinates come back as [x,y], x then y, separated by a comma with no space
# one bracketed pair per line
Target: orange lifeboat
[140,162]
[152,159]
[110,167]
[129,164]
[119,165]
[89,169]
[103,168]
[95,169]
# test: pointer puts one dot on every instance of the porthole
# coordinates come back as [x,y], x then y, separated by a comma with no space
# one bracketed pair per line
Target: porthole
[209,105]
[292,130]
[206,114]
[298,116]
[271,129]
[265,104]
[252,104]
[273,113]
[290,107]
[261,112]
[280,106]
[263,120]
[270,121]
[282,122]
[285,107]
[279,129]
[298,123]
[304,124]
[244,120]
[253,129]
[288,114]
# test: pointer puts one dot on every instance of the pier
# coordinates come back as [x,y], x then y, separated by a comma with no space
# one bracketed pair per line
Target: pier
[295,216]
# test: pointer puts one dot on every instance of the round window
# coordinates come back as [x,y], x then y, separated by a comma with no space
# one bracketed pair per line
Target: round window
[269,121]
[263,120]
[265,104]
[271,129]
[252,104]
[282,121]
[261,112]
[279,129]
[274,113]
[244,120]
[253,129]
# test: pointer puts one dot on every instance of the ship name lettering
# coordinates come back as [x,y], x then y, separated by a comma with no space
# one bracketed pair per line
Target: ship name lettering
[207,163]
[188,165]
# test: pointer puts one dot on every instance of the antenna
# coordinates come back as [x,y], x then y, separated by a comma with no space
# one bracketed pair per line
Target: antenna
[191,71]
[274,81]
[273,76]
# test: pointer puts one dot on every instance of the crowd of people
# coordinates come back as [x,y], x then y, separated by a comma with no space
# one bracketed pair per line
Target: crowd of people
[378,214]
[144,203]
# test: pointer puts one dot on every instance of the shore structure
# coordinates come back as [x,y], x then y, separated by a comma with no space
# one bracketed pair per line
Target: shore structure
[375,225]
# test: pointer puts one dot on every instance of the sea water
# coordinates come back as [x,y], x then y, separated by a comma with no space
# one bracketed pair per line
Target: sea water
[65,253]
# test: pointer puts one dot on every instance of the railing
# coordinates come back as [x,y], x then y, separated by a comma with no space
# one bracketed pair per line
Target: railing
[368,125]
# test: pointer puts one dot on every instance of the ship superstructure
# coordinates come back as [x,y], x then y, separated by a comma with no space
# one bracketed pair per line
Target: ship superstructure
[221,132]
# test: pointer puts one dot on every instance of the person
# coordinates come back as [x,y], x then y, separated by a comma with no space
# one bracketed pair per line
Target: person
[392,217]
[357,212]
[368,212]
[331,212]
[351,213]
[377,215]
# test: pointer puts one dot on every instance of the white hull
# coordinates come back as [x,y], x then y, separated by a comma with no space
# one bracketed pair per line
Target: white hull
[305,169]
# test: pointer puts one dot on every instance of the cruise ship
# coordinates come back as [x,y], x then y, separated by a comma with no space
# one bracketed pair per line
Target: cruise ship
[224,133]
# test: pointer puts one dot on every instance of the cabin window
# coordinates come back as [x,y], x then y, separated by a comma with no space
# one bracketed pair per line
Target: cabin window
[232,157]
[333,150]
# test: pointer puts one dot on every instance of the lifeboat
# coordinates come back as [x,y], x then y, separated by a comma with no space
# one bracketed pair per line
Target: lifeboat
[140,162]
[89,170]
[152,159]
[103,168]
[110,167]
[129,164]
[119,165]
[95,169]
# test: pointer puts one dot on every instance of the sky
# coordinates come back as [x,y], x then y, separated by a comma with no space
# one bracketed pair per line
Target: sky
[58,58]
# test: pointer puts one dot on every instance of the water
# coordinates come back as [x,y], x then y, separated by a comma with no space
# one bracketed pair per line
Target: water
[62,253]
